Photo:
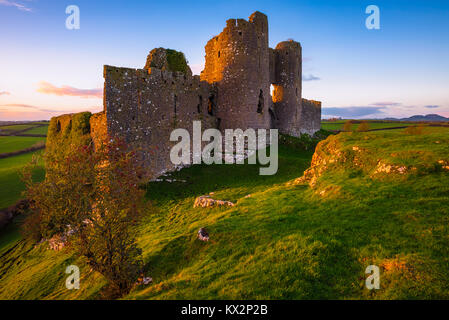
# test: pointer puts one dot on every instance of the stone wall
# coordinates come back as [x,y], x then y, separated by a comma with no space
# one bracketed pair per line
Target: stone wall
[310,117]
[145,106]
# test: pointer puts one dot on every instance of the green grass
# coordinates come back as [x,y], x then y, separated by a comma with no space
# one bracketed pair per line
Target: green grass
[338,125]
[38,130]
[284,241]
[11,185]
[18,127]
[11,144]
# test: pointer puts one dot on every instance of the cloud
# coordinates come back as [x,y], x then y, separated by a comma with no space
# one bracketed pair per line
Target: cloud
[431,107]
[4,93]
[310,77]
[356,111]
[11,106]
[387,104]
[48,88]
[15,4]
[27,106]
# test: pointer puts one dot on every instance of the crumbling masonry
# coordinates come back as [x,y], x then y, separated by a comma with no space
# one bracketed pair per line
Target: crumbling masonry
[143,106]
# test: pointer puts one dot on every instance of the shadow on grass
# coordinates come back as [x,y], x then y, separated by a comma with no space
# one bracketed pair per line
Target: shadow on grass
[202,179]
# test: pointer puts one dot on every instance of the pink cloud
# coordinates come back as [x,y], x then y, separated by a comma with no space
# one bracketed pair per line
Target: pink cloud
[48,88]
[19,111]
[387,104]
[6,93]
[16,5]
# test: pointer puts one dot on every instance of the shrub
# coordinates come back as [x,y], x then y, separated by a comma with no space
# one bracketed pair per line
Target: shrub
[347,126]
[363,126]
[95,194]
[305,141]
[176,61]
[414,130]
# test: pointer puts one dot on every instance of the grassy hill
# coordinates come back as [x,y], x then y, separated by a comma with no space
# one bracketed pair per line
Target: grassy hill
[377,198]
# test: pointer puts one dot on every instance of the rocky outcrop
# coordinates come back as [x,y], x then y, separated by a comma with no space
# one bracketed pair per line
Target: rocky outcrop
[207,202]
[340,152]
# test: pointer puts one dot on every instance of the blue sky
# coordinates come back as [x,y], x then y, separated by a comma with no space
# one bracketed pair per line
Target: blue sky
[400,70]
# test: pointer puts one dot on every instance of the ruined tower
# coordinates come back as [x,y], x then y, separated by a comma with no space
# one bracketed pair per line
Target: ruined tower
[237,64]
[287,84]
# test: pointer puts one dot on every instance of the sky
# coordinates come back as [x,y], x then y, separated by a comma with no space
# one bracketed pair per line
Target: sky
[399,70]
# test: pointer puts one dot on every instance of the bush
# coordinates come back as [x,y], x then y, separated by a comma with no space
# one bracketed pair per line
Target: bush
[414,130]
[96,195]
[305,141]
[347,126]
[176,61]
[363,126]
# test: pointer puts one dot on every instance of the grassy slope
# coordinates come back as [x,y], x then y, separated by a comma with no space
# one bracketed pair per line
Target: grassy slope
[284,242]
[11,144]
[11,186]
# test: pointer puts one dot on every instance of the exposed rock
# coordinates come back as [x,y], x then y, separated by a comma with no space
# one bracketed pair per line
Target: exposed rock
[207,201]
[59,241]
[390,168]
[203,235]
[327,152]
[142,280]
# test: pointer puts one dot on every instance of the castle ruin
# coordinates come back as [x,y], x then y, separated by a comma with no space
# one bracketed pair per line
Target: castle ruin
[143,106]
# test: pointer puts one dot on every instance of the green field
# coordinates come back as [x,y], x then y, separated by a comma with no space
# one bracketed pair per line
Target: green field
[38,130]
[31,128]
[338,125]
[15,128]
[11,185]
[11,144]
[284,241]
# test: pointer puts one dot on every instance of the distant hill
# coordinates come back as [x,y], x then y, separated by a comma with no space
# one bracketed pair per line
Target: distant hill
[417,118]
